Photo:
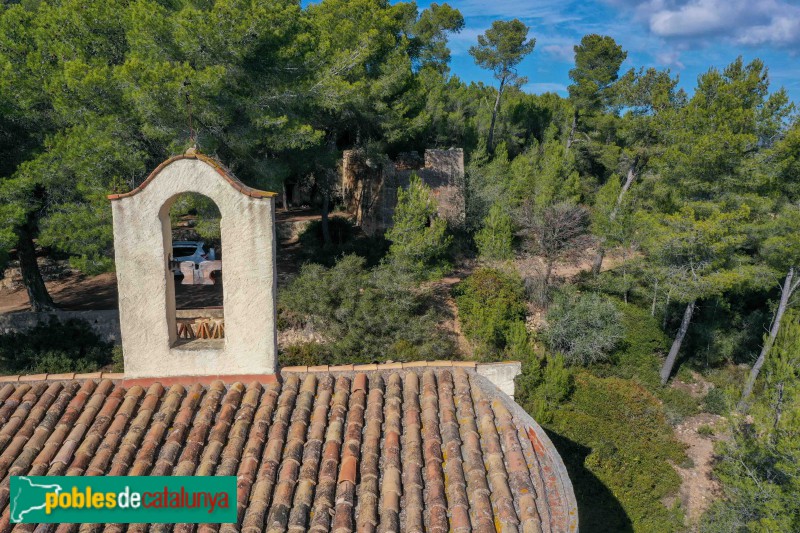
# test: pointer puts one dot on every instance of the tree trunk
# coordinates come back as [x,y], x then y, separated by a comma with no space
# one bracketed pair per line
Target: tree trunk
[285,197]
[666,370]
[598,259]
[597,264]
[490,142]
[38,296]
[326,230]
[655,295]
[778,413]
[786,293]
[572,130]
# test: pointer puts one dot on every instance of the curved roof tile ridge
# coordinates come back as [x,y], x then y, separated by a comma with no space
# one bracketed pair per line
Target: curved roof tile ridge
[192,153]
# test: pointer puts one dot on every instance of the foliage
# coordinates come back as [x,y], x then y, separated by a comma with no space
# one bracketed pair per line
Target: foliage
[705,431]
[758,467]
[541,390]
[54,347]
[614,431]
[496,239]
[418,236]
[306,354]
[117,360]
[584,327]
[365,315]
[597,62]
[491,304]
[346,239]
[717,402]
[502,47]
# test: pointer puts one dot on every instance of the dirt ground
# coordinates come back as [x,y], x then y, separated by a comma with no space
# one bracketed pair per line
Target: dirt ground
[698,487]
[76,292]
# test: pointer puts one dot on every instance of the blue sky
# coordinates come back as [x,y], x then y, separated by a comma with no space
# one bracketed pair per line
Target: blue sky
[686,36]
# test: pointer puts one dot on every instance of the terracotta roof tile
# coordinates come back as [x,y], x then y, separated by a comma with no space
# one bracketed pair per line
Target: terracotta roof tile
[412,484]
[367,448]
[368,490]
[326,482]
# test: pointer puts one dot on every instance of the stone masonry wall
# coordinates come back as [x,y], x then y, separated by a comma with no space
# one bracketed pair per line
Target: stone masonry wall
[370,190]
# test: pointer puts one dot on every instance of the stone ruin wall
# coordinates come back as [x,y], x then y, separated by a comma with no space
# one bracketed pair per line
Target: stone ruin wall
[370,189]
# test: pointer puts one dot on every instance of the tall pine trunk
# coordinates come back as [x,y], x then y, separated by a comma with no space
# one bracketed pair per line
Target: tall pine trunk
[38,296]
[601,252]
[786,293]
[490,142]
[666,370]
[572,130]
[326,229]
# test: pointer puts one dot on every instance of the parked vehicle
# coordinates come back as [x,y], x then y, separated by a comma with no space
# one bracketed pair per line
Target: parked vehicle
[195,251]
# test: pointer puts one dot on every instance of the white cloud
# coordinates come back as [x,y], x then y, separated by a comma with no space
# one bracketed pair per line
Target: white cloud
[781,30]
[750,22]
[563,52]
[670,59]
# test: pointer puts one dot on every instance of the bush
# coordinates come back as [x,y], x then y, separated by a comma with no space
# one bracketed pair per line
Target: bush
[541,391]
[305,354]
[584,327]
[54,347]
[117,359]
[638,355]
[496,239]
[347,240]
[419,241]
[365,315]
[614,431]
[491,309]
[716,402]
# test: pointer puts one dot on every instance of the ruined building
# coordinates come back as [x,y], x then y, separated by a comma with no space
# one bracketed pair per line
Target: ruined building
[369,188]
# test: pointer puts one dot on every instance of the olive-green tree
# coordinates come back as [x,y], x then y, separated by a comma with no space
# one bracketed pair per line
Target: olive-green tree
[500,49]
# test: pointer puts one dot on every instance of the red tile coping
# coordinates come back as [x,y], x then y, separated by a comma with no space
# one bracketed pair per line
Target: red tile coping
[245,378]
[264,379]
[379,366]
[193,154]
[68,376]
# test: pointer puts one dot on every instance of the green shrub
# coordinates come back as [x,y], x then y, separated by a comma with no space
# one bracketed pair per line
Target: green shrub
[496,239]
[638,355]
[705,431]
[346,240]
[117,359]
[54,347]
[584,327]
[491,309]
[541,390]
[625,444]
[716,402]
[419,237]
[365,315]
[305,354]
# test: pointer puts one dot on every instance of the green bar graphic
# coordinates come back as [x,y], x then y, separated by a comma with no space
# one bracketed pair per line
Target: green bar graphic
[123,499]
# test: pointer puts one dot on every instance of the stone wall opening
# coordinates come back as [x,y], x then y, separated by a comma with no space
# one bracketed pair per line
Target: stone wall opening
[195,270]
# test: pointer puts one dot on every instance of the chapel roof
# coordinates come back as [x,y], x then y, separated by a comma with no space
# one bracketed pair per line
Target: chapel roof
[332,449]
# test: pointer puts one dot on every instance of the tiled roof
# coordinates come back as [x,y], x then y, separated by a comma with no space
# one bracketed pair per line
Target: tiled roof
[415,449]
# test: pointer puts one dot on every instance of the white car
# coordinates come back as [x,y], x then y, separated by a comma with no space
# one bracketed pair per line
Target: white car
[195,251]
